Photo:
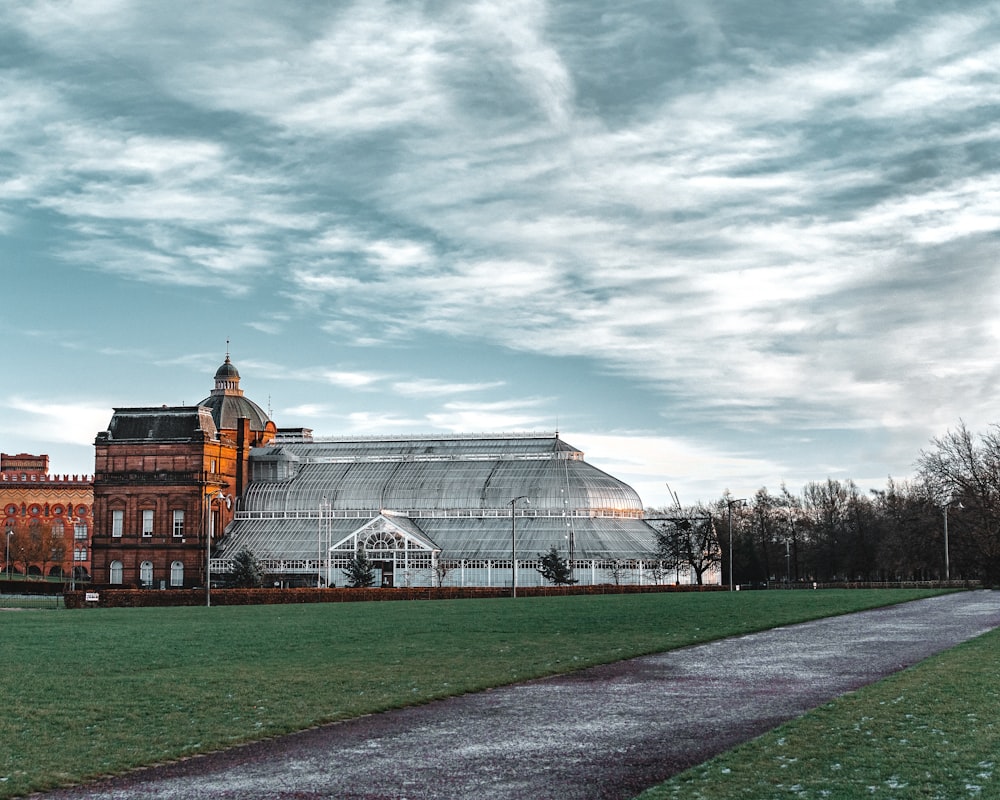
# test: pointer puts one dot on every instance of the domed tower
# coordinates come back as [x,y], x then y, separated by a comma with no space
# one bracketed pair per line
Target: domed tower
[229,405]
[238,418]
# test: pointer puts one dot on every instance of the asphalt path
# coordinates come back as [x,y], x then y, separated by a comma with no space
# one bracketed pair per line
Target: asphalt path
[605,732]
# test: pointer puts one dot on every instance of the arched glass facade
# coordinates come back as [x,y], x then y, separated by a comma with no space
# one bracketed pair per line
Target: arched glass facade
[449,497]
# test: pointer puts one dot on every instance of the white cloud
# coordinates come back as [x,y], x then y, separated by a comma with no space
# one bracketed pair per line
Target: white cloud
[694,470]
[51,422]
[348,379]
[500,415]
[430,387]
[367,422]
[308,410]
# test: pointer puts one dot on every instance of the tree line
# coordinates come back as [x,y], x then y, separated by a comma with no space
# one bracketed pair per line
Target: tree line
[942,524]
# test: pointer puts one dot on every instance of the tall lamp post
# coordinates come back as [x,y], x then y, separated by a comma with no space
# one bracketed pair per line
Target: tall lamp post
[10,533]
[213,495]
[947,565]
[729,504]
[513,545]
[72,566]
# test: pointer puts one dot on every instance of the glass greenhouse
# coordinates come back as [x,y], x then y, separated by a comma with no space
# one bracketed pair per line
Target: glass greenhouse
[462,510]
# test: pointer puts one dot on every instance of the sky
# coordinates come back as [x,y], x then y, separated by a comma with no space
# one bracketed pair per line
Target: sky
[717,245]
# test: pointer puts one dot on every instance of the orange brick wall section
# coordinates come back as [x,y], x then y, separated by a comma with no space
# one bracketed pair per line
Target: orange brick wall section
[29,494]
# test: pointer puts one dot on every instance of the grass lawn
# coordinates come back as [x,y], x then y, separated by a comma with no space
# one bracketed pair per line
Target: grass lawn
[932,731]
[98,691]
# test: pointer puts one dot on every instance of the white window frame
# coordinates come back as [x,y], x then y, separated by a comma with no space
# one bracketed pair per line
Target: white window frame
[178,518]
[117,523]
[146,574]
[177,574]
[116,572]
[147,522]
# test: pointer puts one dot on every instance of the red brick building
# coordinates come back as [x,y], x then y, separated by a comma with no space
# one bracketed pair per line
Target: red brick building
[168,478]
[47,518]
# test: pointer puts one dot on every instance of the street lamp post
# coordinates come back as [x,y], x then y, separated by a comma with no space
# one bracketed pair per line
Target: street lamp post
[72,565]
[215,495]
[208,550]
[513,545]
[729,505]
[7,559]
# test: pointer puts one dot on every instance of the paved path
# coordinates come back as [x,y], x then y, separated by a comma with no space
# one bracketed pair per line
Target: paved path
[606,732]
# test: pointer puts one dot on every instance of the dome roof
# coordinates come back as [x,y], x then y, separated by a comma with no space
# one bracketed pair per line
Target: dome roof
[455,492]
[228,404]
[445,473]
[227,371]
[227,410]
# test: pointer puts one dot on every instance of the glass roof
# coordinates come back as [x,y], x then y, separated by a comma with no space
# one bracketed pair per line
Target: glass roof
[442,474]
[456,491]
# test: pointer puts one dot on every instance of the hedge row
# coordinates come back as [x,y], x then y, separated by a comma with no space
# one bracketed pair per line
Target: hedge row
[143,598]
[32,587]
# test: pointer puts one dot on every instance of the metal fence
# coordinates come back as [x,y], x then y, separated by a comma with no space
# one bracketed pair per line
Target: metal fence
[31,601]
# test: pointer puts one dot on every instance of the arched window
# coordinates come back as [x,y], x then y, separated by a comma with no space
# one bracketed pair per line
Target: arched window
[117,571]
[381,542]
[146,573]
[177,573]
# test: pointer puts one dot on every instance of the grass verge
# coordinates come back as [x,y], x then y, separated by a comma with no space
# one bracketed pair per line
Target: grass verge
[101,691]
[932,731]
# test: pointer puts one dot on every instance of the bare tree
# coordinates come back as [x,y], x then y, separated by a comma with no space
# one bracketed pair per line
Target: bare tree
[961,467]
[668,546]
[440,570]
[686,540]
[50,546]
[699,546]
[616,569]
[910,538]
[21,547]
